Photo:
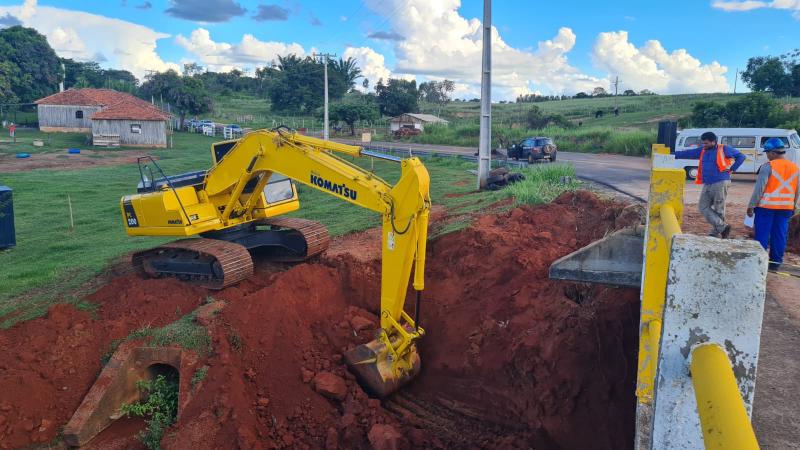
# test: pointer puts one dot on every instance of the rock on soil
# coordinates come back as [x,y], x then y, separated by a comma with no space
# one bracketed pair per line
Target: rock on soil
[330,385]
[510,358]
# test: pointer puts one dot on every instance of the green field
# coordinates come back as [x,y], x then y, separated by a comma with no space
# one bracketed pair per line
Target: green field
[630,133]
[51,262]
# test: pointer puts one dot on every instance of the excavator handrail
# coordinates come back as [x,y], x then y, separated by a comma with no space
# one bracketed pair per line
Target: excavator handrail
[165,178]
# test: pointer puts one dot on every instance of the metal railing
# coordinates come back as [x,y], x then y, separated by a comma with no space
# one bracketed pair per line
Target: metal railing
[721,410]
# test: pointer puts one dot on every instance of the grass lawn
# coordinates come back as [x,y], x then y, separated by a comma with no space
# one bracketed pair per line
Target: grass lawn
[51,261]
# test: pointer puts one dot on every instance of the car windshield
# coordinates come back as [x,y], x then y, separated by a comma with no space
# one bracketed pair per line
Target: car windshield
[795,140]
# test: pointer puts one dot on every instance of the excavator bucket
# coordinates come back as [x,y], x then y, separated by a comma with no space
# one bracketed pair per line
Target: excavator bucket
[372,366]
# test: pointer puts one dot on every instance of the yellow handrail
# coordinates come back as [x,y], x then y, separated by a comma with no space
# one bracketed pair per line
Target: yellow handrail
[723,417]
[669,221]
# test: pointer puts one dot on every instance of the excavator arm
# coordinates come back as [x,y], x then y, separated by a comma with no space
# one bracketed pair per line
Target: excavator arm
[391,360]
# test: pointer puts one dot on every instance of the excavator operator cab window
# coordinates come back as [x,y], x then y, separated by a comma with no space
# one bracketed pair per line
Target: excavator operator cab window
[279,189]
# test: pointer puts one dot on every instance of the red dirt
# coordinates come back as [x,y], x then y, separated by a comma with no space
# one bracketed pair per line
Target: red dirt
[510,359]
[794,234]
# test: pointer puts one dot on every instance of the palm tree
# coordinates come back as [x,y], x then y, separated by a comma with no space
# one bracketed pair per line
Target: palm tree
[348,69]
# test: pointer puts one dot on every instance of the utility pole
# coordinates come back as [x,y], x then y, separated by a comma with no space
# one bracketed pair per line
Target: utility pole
[325,57]
[616,90]
[736,80]
[484,149]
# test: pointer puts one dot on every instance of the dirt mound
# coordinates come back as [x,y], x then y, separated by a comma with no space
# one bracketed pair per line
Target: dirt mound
[794,234]
[510,359]
[50,363]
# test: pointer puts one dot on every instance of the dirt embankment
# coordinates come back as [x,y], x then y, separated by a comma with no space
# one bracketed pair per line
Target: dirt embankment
[510,359]
[794,235]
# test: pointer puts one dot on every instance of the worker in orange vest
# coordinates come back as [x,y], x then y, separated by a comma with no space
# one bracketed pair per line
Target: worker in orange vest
[774,200]
[715,165]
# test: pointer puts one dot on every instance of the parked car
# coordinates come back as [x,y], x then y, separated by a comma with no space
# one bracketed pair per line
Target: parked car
[534,149]
[235,128]
[191,124]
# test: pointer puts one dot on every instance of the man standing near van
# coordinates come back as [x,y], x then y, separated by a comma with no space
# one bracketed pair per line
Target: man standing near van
[716,162]
[774,200]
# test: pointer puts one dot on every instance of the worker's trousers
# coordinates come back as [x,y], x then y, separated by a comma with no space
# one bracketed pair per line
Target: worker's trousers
[712,205]
[772,229]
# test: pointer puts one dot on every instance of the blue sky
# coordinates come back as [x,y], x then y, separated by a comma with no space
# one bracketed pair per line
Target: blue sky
[546,47]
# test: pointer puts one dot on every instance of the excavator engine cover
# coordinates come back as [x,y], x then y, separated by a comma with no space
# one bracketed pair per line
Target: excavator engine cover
[372,366]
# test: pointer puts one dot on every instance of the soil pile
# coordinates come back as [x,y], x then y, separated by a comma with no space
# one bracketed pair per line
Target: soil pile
[511,358]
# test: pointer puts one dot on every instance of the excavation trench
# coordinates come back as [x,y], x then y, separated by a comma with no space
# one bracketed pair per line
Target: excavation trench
[511,359]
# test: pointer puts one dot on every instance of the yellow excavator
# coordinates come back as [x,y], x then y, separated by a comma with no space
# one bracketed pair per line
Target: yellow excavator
[233,208]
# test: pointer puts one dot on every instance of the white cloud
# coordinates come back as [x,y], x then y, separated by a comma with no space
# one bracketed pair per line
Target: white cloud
[81,35]
[372,64]
[223,56]
[438,42]
[749,5]
[652,67]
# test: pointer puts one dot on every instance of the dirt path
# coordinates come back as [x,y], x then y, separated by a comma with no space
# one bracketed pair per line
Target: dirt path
[64,161]
[776,412]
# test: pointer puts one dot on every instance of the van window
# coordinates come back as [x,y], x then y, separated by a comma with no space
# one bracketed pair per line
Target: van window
[766,138]
[739,141]
[795,140]
[692,141]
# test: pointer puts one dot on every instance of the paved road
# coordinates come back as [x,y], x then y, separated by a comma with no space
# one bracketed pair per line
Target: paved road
[627,173]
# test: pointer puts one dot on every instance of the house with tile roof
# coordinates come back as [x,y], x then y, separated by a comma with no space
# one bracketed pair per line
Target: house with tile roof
[112,117]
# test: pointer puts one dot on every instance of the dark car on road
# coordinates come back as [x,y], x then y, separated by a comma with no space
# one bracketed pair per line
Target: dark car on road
[533,149]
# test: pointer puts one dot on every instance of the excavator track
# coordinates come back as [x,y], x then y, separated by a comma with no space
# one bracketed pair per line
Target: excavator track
[216,263]
[211,263]
[315,234]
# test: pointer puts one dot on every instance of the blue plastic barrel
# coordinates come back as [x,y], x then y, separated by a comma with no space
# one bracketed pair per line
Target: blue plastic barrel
[73,151]
[23,155]
[7,235]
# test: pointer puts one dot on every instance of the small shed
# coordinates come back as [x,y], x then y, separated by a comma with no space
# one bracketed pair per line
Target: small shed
[135,123]
[416,121]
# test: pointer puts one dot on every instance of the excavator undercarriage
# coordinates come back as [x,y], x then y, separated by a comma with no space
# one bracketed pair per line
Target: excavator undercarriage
[223,258]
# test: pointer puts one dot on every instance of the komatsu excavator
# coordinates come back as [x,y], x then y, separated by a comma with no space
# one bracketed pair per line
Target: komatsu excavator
[233,208]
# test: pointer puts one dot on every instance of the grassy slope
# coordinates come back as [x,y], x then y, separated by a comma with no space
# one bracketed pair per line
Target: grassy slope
[51,260]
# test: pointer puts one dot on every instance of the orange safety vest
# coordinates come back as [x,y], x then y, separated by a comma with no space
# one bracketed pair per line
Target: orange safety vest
[723,163]
[781,187]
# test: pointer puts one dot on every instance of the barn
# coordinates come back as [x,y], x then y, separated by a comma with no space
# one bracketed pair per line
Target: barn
[417,121]
[113,118]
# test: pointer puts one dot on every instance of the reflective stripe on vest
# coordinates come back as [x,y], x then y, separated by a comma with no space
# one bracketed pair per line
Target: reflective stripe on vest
[723,164]
[781,187]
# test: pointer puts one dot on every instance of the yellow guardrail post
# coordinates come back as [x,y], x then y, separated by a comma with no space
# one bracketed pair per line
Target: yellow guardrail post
[664,216]
[666,194]
[723,417]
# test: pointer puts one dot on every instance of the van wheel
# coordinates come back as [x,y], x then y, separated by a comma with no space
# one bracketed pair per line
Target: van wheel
[691,173]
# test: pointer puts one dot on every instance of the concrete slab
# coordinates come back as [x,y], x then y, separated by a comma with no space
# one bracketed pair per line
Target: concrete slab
[614,260]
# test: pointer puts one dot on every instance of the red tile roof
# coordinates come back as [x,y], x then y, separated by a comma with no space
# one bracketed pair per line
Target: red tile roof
[118,105]
[134,109]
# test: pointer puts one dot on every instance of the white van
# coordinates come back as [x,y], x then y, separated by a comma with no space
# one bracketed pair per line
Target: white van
[749,141]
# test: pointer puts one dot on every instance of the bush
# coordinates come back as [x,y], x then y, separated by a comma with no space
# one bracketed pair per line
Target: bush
[756,109]
[161,409]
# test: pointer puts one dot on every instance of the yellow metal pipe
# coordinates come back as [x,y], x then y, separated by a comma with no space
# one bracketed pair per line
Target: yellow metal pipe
[723,417]
[670,221]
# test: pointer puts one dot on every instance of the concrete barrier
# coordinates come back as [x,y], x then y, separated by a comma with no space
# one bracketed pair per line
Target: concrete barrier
[715,294]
